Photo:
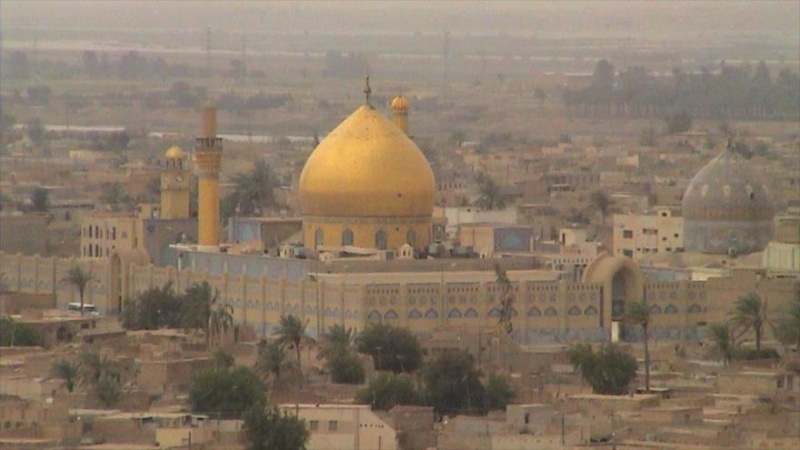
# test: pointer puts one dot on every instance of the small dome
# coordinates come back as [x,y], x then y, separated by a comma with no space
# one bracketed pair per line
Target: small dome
[727,189]
[727,208]
[367,167]
[399,103]
[174,152]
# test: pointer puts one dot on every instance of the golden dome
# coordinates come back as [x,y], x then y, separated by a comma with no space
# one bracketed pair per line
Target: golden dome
[399,103]
[367,167]
[174,152]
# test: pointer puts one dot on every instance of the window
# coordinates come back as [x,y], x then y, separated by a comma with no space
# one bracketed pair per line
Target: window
[628,253]
[319,237]
[380,240]
[333,425]
[411,238]
[627,234]
[347,237]
[313,425]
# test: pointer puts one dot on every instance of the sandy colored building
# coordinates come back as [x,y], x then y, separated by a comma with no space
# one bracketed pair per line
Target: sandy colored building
[344,426]
[643,234]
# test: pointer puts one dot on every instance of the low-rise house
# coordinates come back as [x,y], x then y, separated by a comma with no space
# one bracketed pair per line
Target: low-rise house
[344,426]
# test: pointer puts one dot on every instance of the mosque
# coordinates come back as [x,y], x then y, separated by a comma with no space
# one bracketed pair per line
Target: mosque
[367,201]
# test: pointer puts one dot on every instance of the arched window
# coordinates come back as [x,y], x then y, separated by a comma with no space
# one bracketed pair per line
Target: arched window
[670,309]
[590,311]
[534,312]
[471,313]
[694,309]
[347,237]
[390,315]
[374,316]
[380,240]
[411,238]
[431,314]
[655,309]
[494,312]
[454,313]
[574,311]
[414,314]
[319,237]
[550,311]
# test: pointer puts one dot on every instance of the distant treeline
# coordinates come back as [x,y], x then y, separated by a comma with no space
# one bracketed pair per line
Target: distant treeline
[739,92]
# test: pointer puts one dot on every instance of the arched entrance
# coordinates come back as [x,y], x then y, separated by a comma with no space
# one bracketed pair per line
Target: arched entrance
[622,283]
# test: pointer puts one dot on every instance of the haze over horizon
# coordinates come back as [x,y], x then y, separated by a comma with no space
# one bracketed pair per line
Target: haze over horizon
[629,19]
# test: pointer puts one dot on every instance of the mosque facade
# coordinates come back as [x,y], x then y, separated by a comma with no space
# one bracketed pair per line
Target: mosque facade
[368,186]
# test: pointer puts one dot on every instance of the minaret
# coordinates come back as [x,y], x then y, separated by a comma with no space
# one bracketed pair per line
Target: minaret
[175,186]
[208,160]
[400,113]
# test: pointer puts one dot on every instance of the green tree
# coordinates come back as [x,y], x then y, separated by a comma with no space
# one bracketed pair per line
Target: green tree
[339,336]
[679,122]
[750,314]
[40,200]
[507,299]
[252,191]
[226,393]
[114,196]
[15,334]
[788,327]
[386,390]
[92,366]
[268,429]
[79,278]
[154,308]
[392,348]
[65,370]
[601,202]
[36,131]
[344,366]
[490,195]
[292,332]
[609,371]
[499,392]
[722,341]
[340,360]
[223,359]
[220,320]
[453,384]
[271,358]
[108,390]
[637,313]
[201,310]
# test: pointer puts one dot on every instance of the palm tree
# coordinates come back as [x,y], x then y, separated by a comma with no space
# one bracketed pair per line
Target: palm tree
[722,341]
[220,320]
[271,358]
[491,196]
[80,279]
[201,310]
[507,299]
[337,338]
[252,190]
[637,313]
[292,332]
[67,371]
[750,313]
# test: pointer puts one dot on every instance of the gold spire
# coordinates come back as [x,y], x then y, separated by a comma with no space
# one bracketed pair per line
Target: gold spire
[367,90]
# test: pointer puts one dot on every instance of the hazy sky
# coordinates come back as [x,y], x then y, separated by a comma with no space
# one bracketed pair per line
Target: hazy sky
[632,18]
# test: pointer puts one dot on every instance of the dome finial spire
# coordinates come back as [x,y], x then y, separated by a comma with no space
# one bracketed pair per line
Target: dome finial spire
[367,90]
